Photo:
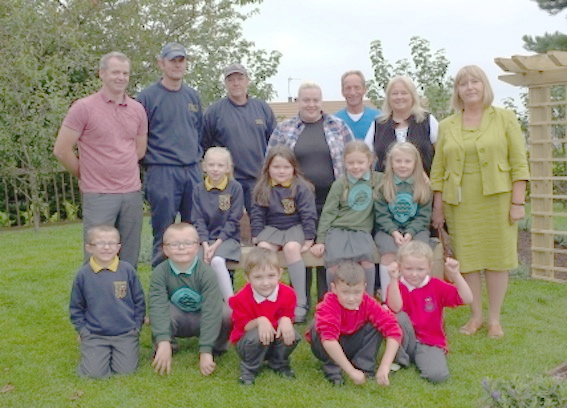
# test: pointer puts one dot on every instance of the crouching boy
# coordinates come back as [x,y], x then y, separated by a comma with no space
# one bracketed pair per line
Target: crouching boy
[348,328]
[185,301]
[107,307]
[418,299]
[262,318]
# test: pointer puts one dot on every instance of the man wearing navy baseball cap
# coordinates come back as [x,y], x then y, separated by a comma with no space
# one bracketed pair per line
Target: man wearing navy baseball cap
[174,143]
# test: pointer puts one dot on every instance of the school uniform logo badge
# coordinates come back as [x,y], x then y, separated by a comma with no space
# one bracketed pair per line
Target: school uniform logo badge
[120,289]
[224,202]
[429,304]
[193,107]
[288,206]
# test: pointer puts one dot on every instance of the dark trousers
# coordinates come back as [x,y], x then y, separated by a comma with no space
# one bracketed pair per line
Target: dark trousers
[188,324]
[320,274]
[360,348]
[169,190]
[253,353]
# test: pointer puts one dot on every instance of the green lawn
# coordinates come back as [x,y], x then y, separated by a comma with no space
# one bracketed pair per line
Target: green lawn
[39,351]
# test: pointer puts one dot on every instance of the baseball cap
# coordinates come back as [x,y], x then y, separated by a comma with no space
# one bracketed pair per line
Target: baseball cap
[235,69]
[173,50]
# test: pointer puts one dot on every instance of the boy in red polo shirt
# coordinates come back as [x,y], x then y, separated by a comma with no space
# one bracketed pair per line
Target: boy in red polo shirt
[262,317]
[349,327]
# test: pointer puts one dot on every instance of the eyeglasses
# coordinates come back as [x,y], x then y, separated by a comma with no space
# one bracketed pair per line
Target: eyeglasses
[179,244]
[103,244]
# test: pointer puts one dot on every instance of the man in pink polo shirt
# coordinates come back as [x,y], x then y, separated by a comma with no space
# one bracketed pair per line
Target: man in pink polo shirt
[110,130]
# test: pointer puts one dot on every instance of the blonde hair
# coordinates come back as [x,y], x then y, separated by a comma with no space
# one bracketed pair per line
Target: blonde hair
[261,258]
[97,229]
[421,188]
[350,273]
[308,85]
[181,226]
[417,110]
[417,249]
[477,73]
[222,151]
[263,188]
[358,146]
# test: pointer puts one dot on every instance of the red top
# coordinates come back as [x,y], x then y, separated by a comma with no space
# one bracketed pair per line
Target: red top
[246,309]
[332,320]
[424,307]
[108,161]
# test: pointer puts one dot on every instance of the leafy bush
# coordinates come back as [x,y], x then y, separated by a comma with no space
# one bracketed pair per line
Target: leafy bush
[525,392]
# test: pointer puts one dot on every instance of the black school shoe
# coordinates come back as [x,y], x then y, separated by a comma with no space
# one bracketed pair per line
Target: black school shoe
[246,379]
[335,380]
[285,372]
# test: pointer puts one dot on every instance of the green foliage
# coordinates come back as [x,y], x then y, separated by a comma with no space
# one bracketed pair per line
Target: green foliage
[525,392]
[51,51]
[548,42]
[552,6]
[429,71]
[71,211]
[5,220]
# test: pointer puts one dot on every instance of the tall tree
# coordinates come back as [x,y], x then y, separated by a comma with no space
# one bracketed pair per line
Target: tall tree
[549,41]
[51,48]
[429,71]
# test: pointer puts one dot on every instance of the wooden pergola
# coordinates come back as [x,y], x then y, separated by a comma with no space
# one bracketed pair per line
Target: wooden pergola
[545,76]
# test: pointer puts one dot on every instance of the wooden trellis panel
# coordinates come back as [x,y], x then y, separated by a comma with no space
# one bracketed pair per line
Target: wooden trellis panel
[545,75]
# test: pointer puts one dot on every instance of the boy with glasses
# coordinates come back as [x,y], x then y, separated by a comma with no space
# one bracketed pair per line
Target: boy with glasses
[185,301]
[107,307]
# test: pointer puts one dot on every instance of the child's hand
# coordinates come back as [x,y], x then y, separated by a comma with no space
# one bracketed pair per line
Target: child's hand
[394,271]
[206,250]
[452,269]
[255,240]
[162,359]
[407,237]
[285,331]
[382,375]
[398,238]
[357,376]
[206,363]
[318,250]
[266,331]
[211,249]
[306,245]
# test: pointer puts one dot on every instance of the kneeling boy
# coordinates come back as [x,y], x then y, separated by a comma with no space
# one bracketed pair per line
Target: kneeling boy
[107,307]
[348,328]
[419,299]
[262,318]
[185,301]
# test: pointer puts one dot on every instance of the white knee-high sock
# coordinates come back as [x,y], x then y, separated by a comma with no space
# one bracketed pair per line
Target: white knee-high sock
[384,280]
[223,276]
[296,273]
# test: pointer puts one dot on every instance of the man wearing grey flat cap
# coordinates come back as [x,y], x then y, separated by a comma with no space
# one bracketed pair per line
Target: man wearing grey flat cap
[172,162]
[243,125]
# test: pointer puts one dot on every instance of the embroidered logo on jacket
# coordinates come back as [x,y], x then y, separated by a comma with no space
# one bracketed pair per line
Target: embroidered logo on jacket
[120,289]
[288,205]
[224,202]
[403,208]
[360,197]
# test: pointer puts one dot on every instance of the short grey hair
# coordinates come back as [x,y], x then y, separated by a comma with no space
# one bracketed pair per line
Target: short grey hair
[103,64]
[309,85]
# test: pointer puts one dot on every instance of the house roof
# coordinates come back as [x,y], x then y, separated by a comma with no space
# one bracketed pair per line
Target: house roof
[286,110]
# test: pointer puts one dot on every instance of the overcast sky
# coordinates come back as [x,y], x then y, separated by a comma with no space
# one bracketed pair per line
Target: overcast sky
[321,39]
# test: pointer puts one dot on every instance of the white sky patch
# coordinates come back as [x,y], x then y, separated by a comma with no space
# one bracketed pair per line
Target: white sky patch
[320,39]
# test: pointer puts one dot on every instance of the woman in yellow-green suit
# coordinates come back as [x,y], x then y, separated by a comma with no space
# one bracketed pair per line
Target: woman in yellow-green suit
[479,176]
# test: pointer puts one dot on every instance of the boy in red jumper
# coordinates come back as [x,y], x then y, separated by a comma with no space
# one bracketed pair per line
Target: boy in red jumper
[262,316]
[349,327]
[419,299]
